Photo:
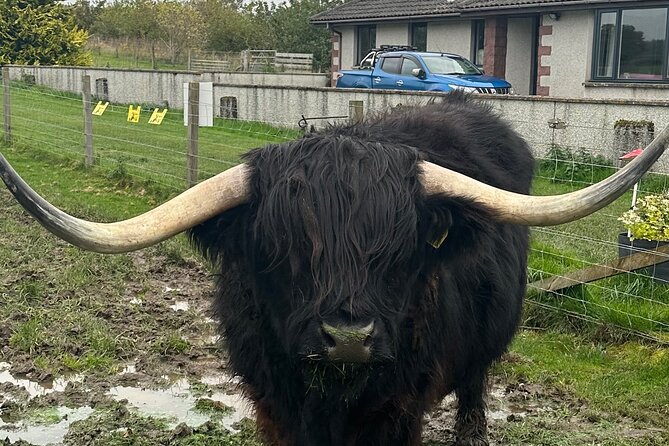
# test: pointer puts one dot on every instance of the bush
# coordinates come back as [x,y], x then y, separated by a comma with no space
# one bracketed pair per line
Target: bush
[649,219]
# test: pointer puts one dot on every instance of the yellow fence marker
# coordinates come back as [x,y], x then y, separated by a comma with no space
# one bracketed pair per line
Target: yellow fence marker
[100,108]
[133,113]
[157,116]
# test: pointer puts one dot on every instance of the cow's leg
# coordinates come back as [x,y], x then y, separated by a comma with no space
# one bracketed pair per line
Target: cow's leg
[395,428]
[471,427]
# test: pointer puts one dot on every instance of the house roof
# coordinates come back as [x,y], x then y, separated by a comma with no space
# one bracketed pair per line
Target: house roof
[359,10]
[382,10]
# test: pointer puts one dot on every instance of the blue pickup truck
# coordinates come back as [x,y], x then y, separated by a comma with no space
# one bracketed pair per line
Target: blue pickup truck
[411,70]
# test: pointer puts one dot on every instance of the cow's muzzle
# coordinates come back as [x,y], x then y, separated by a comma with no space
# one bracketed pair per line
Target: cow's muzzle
[348,343]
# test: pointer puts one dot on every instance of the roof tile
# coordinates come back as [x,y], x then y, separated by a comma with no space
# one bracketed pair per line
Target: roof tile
[368,10]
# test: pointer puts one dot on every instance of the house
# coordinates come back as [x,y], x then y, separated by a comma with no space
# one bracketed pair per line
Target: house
[560,48]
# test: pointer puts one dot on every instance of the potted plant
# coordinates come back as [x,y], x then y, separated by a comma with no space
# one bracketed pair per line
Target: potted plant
[647,226]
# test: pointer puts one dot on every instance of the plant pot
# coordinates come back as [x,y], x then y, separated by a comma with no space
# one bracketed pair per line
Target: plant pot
[627,247]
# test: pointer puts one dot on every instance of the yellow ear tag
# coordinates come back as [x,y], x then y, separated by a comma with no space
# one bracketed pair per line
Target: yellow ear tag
[436,243]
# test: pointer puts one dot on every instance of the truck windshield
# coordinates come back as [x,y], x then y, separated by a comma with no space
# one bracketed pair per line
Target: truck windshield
[450,65]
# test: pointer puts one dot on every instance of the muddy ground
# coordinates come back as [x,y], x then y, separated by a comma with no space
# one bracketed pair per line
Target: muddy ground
[167,382]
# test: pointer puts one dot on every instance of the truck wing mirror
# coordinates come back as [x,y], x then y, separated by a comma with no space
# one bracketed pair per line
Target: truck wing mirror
[419,73]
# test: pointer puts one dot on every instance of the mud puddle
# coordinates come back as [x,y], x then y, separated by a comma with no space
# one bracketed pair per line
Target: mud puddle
[179,404]
[25,416]
[43,434]
[35,388]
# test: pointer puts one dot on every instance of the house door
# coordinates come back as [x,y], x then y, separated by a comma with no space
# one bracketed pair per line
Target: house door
[521,54]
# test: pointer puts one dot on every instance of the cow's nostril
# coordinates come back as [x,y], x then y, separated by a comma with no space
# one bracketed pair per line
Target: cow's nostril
[329,340]
[348,343]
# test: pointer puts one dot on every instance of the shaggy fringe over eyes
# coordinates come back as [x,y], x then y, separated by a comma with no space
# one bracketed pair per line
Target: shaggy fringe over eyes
[346,204]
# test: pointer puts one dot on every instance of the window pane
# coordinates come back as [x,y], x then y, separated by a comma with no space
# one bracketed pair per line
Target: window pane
[391,64]
[606,47]
[643,43]
[407,66]
[366,39]
[479,40]
[419,36]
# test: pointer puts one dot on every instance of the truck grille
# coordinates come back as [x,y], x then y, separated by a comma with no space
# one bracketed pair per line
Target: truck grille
[493,90]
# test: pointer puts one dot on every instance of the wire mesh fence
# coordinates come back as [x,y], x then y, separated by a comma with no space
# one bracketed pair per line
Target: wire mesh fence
[601,294]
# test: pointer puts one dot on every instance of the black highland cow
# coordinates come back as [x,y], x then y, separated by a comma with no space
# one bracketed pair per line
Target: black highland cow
[343,318]
[362,278]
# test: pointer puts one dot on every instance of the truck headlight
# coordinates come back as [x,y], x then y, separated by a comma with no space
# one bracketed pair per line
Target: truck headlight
[463,88]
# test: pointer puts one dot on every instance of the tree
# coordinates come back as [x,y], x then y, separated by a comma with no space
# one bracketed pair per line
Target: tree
[86,12]
[295,34]
[134,20]
[180,25]
[229,28]
[40,32]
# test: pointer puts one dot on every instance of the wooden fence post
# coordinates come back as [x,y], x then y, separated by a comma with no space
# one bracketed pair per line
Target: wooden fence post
[193,123]
[6,107]
[88,121]
[356,110]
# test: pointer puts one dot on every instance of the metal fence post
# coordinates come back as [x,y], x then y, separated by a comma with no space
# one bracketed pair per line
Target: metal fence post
[193,123]
[88,121]
[7,111]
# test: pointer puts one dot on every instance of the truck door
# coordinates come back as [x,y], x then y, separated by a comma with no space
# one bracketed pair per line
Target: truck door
[406,79]
[386,75]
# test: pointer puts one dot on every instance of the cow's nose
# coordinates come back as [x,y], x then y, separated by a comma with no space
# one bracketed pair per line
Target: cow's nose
[348,343]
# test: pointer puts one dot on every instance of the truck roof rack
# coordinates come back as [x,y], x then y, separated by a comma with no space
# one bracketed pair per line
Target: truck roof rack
[386,48]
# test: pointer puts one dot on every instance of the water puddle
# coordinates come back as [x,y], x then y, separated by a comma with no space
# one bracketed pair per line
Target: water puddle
[180,306]
[34,388]
[41,434]
[177,403]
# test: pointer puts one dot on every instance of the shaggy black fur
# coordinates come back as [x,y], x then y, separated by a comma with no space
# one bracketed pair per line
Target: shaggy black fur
[337,230]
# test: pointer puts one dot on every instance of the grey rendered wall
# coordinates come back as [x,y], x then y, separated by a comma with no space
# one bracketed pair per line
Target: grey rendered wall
[125,86]
[641,92]
[347,52]
[589,123]
[153,87]
[571,55]
[519,54]
[450,37]
[392,34]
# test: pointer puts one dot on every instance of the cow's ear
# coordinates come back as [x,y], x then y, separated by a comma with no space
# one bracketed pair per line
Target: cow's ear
[439,221]
[453,224]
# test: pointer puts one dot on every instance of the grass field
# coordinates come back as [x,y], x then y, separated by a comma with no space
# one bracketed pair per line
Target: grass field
[106,56]
[150,154]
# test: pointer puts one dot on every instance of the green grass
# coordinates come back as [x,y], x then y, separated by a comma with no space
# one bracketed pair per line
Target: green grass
[170,344]
[618,307]
[112,58]
[629,380]
[151,155]
[60,304]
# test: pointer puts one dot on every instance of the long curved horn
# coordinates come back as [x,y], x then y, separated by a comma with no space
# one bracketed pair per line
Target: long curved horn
[550,210]
[194,206]
[231,188]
